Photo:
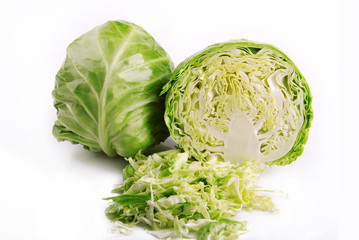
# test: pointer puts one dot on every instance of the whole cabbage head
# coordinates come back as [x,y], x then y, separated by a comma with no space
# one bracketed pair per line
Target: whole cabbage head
[239,101]
[107,91]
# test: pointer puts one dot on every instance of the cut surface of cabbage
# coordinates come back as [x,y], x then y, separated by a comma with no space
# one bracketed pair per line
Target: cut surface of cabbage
[239,101]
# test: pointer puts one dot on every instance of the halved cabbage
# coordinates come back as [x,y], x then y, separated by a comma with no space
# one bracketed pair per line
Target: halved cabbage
[107,91]
[239,101]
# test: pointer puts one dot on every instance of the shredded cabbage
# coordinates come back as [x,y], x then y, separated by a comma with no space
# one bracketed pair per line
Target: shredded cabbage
[177,197]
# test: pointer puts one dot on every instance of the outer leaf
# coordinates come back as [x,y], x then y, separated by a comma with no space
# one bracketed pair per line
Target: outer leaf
[106,92]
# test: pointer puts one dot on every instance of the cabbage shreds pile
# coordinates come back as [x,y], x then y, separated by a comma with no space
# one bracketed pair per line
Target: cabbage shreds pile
[175,196]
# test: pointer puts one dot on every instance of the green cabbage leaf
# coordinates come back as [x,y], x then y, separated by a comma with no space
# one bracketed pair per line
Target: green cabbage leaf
[239,101]
[175,196]
[107,91]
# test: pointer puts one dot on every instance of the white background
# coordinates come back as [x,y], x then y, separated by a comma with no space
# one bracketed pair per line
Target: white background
[52,190]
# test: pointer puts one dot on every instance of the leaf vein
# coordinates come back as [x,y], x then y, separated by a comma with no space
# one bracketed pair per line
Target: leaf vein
[82,76]
[78,121]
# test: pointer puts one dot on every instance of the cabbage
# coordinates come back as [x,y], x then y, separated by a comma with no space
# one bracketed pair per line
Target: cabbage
[107,91]
[239,101]
[176,196]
